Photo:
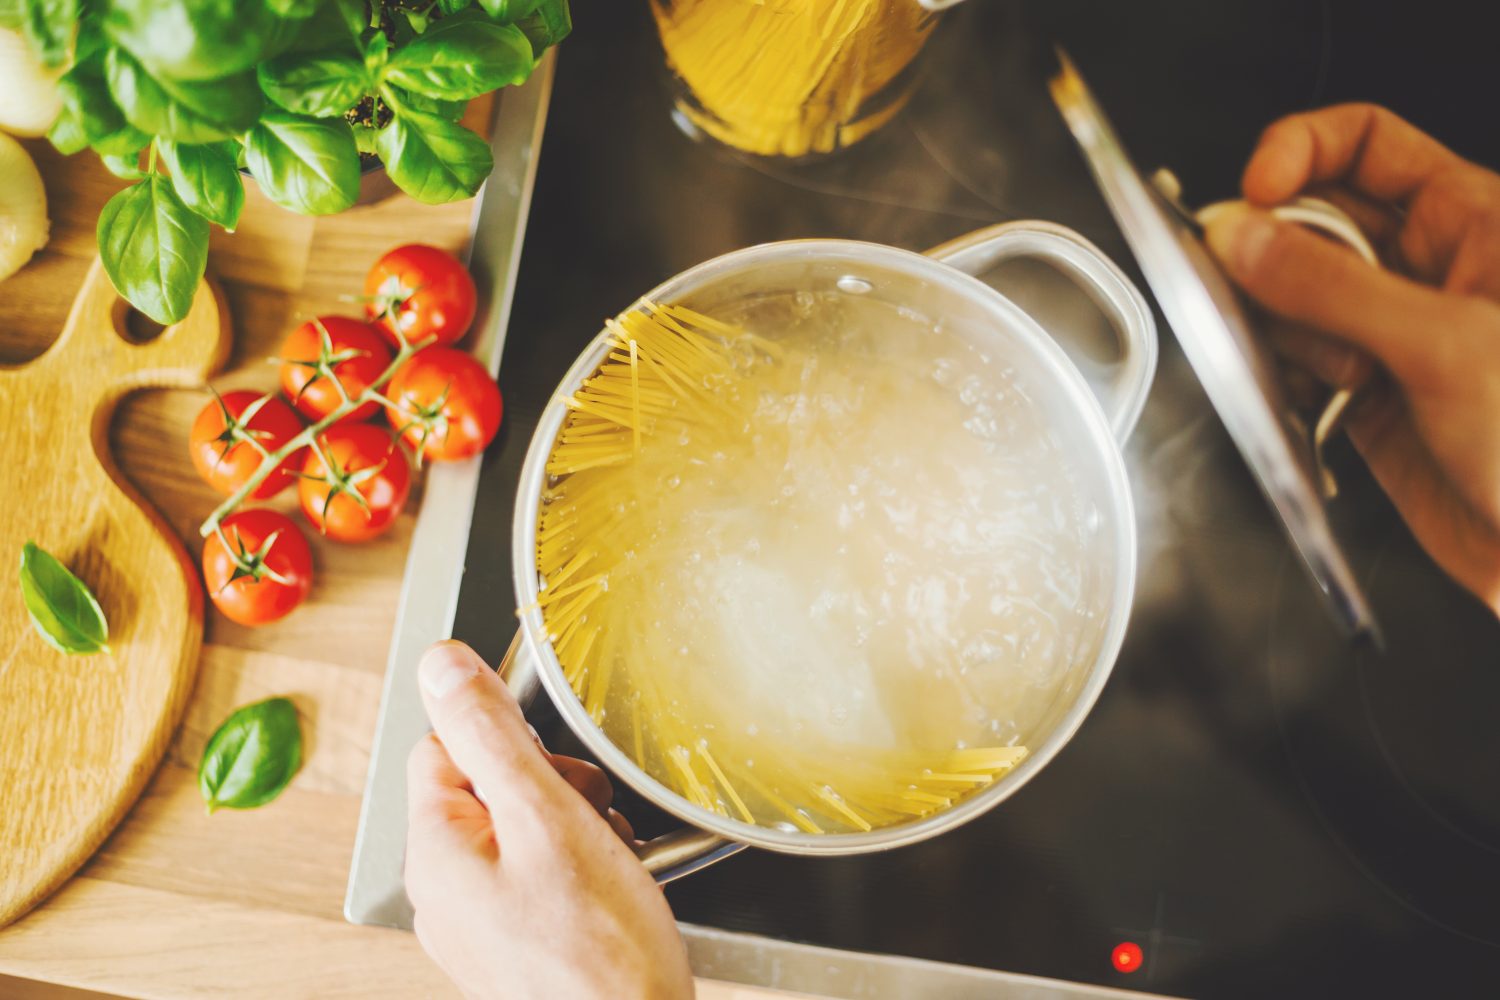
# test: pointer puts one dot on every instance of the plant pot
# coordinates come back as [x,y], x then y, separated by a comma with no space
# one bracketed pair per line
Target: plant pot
[375,185]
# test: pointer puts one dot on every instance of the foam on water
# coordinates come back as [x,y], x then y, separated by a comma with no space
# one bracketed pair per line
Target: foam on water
[892,554]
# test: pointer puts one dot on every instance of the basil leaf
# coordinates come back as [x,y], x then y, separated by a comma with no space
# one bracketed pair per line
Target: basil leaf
[451,110]
[508,10]
[122,143]
[461,60]
[452,6]
[417,20]
[62,609]
[377,50]
[206,179]
[325,29]
[89,110]
[548,25]
[321,84]
[153,248]
[355,15]
[191,40]
[432,159]
[90,40]
[126,166]
[183,110]
[310,165]
[293,8]
[48,26]
[66,133]
[252,756]
[366,139]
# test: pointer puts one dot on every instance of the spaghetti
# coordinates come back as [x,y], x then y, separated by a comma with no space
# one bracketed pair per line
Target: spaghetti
[673,387]
[791,77]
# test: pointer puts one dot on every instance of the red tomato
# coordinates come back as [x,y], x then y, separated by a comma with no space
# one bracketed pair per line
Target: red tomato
[446,405]
[265,572]
[354,352]
[358,495]
[423,291]
[220,445]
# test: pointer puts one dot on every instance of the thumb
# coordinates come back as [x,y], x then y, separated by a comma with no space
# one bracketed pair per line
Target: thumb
[480,725]
[1308,278]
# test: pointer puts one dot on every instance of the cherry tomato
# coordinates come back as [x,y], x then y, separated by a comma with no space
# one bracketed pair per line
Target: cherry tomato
[423,291]
[264,573]
[221,448]
[446,405]
[358,495]
[352,351]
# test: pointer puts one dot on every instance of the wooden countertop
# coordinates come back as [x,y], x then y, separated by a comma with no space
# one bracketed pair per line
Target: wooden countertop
[178,903]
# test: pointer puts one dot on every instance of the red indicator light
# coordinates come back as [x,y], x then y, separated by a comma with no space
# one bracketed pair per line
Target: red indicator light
[1126,957]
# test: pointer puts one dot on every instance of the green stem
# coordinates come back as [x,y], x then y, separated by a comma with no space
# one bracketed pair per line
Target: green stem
[253,442]
[308,437]
[339,385]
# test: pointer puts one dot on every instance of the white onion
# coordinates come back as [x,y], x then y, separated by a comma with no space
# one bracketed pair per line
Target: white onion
[23,207]
[29,101]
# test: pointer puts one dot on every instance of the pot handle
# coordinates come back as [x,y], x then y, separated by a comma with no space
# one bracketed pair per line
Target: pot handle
[667,857]
[1099,276]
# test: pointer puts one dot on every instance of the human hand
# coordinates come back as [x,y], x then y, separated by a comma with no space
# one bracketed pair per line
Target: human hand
[518,870]
[1431,431]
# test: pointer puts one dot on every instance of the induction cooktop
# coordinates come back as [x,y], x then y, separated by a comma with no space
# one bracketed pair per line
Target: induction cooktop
[1254,808]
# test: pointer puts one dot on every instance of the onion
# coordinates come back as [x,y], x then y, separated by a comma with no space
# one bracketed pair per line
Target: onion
[29,101]
[23,207]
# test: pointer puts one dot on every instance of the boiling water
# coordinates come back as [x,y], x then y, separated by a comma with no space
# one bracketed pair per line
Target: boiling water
[887,557]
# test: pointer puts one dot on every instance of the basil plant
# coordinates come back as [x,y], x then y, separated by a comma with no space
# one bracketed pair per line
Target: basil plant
[180,96]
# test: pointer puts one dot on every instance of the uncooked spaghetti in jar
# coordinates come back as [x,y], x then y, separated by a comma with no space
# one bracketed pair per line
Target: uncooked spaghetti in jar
[791,78]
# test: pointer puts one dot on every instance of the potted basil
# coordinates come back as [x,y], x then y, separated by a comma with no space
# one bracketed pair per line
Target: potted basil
[179,95]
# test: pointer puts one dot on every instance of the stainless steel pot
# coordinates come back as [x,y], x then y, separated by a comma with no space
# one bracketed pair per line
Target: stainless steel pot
[939,283]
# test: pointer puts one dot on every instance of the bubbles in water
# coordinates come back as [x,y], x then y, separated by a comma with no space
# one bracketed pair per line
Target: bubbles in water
[971,390]
[896,556]
[944,371]
[853,285]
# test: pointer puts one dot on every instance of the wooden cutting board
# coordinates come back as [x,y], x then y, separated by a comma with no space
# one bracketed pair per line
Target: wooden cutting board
[80,735]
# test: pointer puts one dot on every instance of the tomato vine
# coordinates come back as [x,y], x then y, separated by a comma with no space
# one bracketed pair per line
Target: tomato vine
[308,437]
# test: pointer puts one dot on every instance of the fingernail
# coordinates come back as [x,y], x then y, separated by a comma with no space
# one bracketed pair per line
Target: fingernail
[1238,235]
[446,666]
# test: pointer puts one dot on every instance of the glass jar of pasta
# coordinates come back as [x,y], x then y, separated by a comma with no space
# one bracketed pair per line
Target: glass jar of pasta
[791,78]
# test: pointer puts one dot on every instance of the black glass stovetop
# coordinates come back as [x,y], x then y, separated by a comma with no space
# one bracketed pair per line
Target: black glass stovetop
[1263,811]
